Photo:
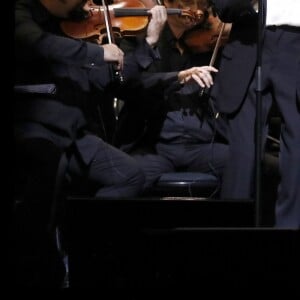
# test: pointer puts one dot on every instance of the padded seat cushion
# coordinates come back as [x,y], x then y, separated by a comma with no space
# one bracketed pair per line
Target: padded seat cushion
[196,179]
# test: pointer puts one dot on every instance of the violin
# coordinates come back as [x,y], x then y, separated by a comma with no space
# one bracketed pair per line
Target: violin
[128,18]
[207,38]
[204,38]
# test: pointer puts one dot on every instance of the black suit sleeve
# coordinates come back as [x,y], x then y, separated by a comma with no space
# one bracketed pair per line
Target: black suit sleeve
[233,10]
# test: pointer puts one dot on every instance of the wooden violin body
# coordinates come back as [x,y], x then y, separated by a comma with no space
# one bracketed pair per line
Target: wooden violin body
[204,39]
[128,18]
[94,25]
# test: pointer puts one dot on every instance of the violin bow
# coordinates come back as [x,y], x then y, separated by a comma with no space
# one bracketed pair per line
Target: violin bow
[110,35]
[217,46]
[214,55]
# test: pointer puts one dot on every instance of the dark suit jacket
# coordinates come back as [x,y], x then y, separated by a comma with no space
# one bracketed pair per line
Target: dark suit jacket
[238,60]
[45,55]
[158,92]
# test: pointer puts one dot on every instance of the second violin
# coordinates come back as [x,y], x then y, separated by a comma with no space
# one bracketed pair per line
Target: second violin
[204,38]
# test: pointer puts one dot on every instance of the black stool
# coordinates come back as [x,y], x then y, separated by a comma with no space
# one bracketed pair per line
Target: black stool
[186,184]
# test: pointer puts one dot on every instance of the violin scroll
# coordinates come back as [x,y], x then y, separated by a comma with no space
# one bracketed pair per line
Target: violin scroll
[195,16]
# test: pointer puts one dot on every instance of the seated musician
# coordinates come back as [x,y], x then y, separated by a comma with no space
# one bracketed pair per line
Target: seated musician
[67,79]
[167,127]
[60,83]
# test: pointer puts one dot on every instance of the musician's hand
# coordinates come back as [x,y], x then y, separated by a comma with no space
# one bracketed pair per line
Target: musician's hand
[202,75]
[113,53]
[156,24]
